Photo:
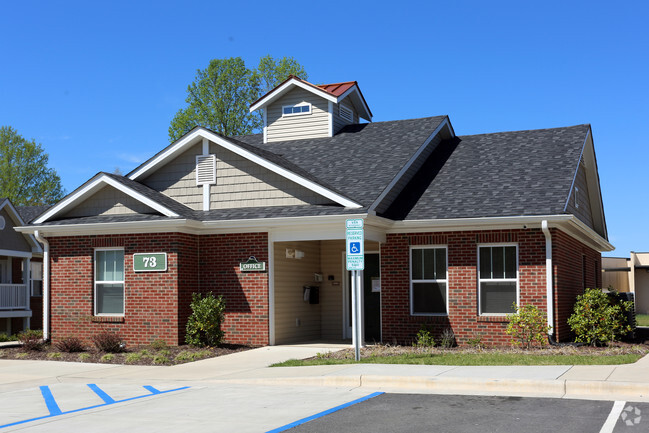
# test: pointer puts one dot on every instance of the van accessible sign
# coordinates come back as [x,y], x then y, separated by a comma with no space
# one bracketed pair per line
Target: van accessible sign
[252,265]
[355,240]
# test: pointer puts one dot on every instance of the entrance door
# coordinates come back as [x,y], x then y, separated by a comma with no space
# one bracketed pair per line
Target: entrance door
[370,279]
[4,272]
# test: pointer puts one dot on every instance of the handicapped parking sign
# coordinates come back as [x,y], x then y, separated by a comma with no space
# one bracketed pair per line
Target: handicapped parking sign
[355,239]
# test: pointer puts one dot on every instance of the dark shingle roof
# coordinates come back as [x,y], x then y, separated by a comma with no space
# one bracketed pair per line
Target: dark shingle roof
[28,213]
[499,174]
[361,159]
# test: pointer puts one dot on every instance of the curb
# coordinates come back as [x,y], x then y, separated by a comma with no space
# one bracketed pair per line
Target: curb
[582,389]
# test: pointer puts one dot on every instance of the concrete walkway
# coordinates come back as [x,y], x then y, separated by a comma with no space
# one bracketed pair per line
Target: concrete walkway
[608,382]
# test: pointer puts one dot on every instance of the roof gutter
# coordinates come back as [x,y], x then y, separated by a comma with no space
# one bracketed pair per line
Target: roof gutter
[548,275]
[46,284]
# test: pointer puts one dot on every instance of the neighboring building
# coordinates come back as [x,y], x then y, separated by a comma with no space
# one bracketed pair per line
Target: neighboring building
[629,275]
[20,271]
[457,228]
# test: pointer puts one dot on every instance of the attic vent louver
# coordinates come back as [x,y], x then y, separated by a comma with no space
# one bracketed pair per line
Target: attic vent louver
[346,113]
[205,169]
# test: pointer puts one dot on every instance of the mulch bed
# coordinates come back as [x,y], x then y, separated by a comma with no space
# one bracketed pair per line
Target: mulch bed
[137,355]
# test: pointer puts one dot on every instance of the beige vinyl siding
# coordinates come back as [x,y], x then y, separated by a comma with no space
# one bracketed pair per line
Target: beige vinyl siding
[242,183]
[332,291]
[303,126]
[583,212]
[408,175]
[239,183]
[11,239]
[109,201]
[339,122]
[290,276]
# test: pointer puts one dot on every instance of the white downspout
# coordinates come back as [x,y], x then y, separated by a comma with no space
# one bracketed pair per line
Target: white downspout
[548,274]
[46,285]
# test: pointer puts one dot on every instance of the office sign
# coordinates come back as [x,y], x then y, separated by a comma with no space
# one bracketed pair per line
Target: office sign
[252,265]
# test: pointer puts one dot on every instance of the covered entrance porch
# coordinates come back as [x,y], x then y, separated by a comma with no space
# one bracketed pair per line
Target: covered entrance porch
[310,291]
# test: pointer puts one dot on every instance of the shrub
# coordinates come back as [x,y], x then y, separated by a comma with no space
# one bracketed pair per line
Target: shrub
[599,318]
[54,355]
[204,324]
[70,345]
[31,339]
[160,360]
[107,357]
[448,339]
[159,345]
[4,337]
[83,357]
[133,358]
[424,338]
[475,342]
[528,326]
[109,342]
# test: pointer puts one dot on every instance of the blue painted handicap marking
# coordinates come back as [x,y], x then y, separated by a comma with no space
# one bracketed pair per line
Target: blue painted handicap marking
[55,410]
[354,248]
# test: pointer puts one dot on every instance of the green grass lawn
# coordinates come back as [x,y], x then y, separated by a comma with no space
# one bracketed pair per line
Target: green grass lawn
[473,359]
[642,319]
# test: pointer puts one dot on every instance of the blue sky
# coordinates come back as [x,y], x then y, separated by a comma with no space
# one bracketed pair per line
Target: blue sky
[97,83]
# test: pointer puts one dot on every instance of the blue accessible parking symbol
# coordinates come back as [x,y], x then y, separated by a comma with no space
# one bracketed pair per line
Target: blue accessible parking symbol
[354,248]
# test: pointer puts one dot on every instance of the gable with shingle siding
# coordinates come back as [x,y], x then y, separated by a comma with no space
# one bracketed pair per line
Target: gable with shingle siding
[239,183]
[312,125]
[579,202]
[108,201]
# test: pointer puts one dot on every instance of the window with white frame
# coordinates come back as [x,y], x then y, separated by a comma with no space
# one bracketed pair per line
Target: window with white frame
[109,282]
[428,278]
[498,279]
[37,278]
[296,109]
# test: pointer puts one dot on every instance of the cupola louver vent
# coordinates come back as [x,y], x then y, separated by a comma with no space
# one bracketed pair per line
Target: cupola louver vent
[206,170]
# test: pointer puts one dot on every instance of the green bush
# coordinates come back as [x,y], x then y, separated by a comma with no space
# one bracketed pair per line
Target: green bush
[599,318]
[424,338]
[70,345]
[528,326]
[204,324]
[109,342]
[448,339]
[4,337]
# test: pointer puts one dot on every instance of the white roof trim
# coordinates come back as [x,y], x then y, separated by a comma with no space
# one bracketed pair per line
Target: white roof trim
[274,94]
[93,186]
[189,140]
[407,166]
[354,89]
[18,221]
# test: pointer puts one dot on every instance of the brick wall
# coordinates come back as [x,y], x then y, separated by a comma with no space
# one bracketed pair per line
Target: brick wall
[246,294]
[400,326]
[157,303]
[576,267]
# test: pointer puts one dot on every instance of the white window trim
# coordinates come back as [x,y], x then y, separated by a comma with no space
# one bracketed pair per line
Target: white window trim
[94,282]
[498,280]
[343,107]
[300,104]
[445,281]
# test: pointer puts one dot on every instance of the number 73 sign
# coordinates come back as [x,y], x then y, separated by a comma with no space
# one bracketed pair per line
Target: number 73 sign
[150,262]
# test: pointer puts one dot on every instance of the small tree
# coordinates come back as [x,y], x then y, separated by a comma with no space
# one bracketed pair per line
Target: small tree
[528,326]
[599,318]
[204,324]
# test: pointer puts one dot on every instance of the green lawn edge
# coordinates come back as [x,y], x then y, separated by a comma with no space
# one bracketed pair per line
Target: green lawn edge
[472,359]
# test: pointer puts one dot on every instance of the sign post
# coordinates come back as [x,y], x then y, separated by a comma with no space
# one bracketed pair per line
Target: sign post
[355,252]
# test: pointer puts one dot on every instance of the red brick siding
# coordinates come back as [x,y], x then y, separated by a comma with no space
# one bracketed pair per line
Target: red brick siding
[157,303]
[400,326]
[568,256]
[246,294]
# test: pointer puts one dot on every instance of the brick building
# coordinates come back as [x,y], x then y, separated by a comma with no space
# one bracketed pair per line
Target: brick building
[458,229]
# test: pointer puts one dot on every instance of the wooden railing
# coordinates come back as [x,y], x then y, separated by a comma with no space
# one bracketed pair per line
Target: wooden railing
[14,297]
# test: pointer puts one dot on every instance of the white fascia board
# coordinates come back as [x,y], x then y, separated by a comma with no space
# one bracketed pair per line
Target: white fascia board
[407,166]
[178,147]
[13,213]
[202,133]
[278,92]
[96,184]
[127,227]
[354,89]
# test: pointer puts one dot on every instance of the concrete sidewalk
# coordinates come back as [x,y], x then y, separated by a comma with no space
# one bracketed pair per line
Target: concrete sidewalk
[608,382]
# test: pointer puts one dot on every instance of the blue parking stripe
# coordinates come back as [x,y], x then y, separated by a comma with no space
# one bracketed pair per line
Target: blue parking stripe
[49,401]
[56,411]
[151,389]
[326,412]
[100,392]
